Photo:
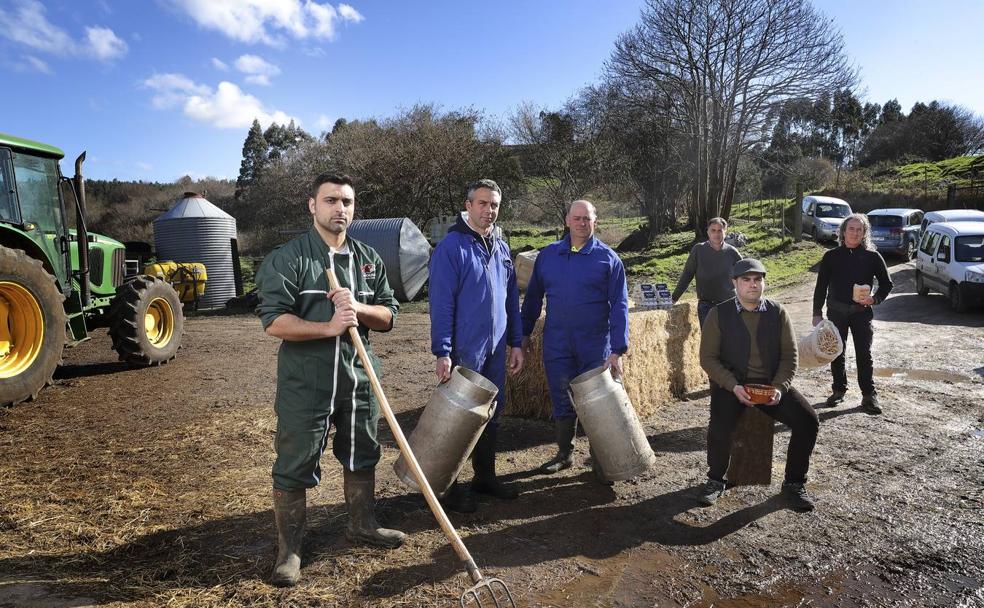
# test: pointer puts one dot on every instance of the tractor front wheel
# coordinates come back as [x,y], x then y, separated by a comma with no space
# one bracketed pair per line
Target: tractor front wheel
[147,321]
[32,326]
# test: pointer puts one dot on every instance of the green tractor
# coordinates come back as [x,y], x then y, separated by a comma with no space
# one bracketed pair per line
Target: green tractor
[57,283]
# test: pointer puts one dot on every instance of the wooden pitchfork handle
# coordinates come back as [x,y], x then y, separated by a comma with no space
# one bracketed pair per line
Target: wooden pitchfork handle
[401,440]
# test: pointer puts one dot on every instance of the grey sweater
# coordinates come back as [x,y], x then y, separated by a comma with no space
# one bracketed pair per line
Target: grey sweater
[713,271]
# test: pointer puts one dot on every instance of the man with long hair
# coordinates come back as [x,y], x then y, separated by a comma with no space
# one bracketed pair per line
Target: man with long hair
[854,262]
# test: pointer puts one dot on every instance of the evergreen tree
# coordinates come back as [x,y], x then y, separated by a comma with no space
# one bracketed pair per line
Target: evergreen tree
[254,158]
[281,139]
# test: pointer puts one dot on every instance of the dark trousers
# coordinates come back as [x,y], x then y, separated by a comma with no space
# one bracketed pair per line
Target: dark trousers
[703,307]
[860,327]
[793,410]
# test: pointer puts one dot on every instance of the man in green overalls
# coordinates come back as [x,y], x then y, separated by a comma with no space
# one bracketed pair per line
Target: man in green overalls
[320,380]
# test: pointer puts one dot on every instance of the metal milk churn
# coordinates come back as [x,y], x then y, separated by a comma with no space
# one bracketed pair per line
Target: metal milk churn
[449,428]
[617,438]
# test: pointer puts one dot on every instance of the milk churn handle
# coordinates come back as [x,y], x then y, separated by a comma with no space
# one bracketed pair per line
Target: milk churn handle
[491,410]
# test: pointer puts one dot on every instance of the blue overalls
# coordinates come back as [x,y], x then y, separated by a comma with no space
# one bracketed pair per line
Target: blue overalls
[474,305]
[587,312]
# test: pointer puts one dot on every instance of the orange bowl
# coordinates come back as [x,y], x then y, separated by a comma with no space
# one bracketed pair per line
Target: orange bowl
[760,393]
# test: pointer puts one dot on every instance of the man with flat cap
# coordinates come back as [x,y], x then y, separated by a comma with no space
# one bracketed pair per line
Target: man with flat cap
[749,340]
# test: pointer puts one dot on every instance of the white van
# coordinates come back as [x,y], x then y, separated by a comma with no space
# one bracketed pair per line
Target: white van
[951,215]
[951,261]
[822,216]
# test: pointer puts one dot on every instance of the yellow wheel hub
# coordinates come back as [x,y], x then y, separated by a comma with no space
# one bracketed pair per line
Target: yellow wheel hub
[159,322]
[21,329]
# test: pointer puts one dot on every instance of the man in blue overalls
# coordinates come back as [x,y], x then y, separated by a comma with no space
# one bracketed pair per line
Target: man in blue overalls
[474,311]
[587,324]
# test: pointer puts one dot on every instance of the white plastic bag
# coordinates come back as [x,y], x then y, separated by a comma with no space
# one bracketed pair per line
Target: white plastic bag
[820,346]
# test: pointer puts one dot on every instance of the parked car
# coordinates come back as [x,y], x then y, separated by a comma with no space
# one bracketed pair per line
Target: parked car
[896,231]
[951,215]
[822,215]
[951,261]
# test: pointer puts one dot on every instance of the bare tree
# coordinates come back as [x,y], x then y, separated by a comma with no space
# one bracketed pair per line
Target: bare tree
[719,67]
[562,151]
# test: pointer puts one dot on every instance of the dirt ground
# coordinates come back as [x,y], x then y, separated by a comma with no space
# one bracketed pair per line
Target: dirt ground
[150,487]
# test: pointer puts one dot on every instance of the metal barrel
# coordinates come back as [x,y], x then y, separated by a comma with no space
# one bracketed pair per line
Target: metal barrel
[613,428]
[449,428]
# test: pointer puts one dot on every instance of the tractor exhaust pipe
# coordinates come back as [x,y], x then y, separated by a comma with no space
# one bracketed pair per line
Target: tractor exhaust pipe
[82,235]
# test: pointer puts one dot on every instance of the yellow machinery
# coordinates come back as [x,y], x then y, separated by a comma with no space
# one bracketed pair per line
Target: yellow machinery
[187,278]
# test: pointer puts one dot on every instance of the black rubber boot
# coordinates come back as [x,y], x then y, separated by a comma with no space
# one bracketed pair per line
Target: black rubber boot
[360,490]
[459,499]
[289,511]
[483,461]
[564,428]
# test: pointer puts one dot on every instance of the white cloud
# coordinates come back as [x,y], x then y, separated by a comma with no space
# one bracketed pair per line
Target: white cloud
[257,70]
[230,108]
[349,14]
[226,107]
[145,167]
[220,65]
[324,123]
[28,25]
[104,44]
[324,16]
[173,89]
[36,65]
[268,21]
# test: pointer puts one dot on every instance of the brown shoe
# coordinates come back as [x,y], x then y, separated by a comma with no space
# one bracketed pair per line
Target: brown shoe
[869,405]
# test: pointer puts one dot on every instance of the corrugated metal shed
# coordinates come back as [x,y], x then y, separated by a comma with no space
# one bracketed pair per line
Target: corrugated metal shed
[195,230]
[404,250]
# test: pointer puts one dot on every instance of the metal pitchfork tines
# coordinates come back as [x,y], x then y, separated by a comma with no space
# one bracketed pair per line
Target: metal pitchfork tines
[472,597]
[491,588]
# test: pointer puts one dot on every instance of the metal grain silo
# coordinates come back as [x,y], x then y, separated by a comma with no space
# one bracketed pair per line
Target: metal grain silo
[404,250]
[195,230]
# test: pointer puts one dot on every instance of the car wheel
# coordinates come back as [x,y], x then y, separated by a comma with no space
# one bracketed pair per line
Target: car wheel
[813,235]
[957,301]
[921,288]
[910,250]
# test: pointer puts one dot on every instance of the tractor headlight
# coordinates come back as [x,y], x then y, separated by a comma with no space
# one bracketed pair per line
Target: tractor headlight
[972,276]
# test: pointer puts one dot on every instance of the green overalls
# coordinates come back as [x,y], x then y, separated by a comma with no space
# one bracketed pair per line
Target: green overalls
[321,382]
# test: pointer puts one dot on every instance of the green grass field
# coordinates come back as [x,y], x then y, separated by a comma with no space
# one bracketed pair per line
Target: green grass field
[788,262]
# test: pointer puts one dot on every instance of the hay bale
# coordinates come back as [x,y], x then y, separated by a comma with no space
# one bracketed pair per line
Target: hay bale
[524,268]
[663,363]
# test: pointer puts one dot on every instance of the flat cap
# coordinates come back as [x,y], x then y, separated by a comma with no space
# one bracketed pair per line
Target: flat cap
[746,266]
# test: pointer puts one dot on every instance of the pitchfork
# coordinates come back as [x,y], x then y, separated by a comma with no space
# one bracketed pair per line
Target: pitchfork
[492,588]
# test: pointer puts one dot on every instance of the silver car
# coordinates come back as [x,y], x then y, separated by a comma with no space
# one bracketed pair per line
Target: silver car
[822,216]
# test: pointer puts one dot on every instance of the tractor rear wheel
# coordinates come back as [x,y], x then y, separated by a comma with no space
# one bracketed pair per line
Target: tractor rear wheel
[146,321]
[32,326]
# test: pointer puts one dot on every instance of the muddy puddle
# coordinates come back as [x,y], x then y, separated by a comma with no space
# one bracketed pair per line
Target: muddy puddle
[927,375]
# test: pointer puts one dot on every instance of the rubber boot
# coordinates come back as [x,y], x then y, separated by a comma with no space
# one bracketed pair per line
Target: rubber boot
[483,462]
[564,428]
[597,470]
[459,499]
[289,512]
[360,490]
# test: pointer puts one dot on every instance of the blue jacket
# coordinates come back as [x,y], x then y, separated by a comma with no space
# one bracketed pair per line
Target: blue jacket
[587,297]
[474,300]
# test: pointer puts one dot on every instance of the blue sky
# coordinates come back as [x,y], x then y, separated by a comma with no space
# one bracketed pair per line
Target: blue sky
[155,89]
